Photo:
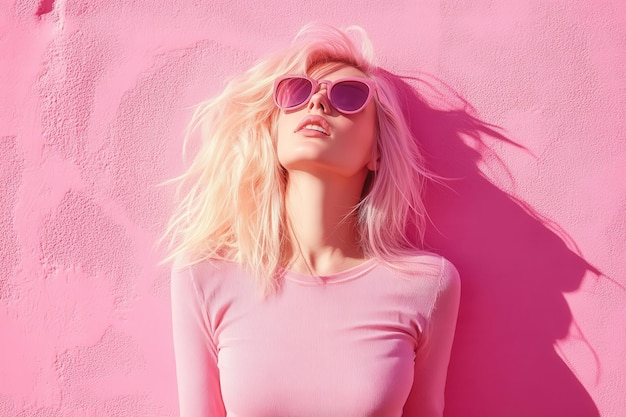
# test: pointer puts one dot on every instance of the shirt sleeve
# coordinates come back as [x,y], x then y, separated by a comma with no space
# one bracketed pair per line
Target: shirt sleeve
[199,393]
[426,398]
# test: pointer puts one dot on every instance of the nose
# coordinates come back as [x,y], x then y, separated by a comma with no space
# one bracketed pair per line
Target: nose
[319,100]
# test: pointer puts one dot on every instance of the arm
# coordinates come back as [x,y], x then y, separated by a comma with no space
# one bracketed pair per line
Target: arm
[426,398]
[194,350]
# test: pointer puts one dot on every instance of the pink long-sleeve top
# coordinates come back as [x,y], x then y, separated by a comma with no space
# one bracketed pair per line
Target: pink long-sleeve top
[368,341]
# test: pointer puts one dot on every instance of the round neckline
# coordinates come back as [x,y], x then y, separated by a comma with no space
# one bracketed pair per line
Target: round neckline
[334,278]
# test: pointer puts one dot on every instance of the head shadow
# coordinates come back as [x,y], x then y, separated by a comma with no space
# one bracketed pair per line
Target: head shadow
[515,266]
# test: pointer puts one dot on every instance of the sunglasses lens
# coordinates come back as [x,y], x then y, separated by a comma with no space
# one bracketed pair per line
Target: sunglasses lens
[349,96]
[292,92]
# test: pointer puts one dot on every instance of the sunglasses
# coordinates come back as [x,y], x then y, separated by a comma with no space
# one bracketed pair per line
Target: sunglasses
[348,95]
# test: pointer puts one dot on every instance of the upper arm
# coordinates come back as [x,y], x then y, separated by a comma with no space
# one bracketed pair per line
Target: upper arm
[195,351]
[426,398]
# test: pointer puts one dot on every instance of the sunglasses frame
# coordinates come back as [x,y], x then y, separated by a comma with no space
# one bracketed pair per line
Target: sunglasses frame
[371,85]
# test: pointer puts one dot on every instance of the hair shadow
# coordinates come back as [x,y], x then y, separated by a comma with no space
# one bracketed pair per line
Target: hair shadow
[515,267]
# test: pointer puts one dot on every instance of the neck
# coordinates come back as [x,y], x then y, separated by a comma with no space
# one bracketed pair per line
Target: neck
[320,211]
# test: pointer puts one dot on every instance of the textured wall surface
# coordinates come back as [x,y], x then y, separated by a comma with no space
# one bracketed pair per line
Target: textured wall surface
[524,110]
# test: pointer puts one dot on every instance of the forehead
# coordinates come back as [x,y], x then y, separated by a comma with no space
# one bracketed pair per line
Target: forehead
[335,70]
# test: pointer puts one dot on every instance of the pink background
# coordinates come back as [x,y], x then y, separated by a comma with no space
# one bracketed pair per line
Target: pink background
[528,119]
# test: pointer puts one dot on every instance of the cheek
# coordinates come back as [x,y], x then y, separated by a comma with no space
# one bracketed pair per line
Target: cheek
[366,131]
[283,128]
[285,125]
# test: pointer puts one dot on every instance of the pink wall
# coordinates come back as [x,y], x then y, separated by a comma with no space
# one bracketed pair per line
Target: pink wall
[93,99]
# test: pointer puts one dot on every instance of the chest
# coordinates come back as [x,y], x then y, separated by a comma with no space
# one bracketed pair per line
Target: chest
[316,357]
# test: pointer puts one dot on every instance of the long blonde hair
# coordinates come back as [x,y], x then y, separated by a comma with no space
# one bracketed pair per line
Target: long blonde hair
[231,198]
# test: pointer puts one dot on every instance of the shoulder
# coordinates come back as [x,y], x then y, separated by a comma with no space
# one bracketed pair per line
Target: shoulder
[205,274]
[427,265]
[427,274]
[438,287]
[186,263]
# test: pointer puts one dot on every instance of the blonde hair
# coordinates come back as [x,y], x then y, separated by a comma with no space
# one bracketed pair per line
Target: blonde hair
[232,205]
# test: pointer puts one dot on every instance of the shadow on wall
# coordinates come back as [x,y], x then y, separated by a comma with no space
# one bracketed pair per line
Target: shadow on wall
[514,266]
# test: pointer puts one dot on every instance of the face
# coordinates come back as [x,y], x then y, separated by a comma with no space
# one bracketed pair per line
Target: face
[318,138]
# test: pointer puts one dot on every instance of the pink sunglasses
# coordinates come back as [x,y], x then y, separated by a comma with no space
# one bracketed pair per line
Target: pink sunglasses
[348,95]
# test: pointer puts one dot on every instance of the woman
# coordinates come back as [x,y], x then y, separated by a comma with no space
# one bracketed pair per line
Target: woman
[299,287]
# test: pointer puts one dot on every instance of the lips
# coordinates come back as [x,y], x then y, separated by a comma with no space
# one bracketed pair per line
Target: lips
[314,123]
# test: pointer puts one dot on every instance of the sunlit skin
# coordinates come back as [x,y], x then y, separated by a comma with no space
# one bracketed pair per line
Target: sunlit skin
[326,174]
